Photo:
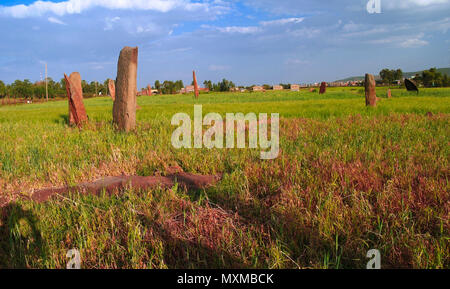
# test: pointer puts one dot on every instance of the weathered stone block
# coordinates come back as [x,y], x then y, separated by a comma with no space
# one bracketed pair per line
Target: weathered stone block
[124,110]
[370,87]
[77,111]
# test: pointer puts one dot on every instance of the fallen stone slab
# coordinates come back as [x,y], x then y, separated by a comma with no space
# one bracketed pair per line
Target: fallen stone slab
[111,185]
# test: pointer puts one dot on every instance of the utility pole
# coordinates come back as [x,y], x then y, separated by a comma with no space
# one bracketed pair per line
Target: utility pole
[46,82]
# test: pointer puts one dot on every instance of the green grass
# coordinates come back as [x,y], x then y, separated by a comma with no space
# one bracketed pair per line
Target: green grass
[348,179]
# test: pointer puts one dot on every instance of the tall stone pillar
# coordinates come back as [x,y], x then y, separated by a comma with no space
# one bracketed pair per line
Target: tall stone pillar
[370,87]
[112,89]
[195,85]
[124,110]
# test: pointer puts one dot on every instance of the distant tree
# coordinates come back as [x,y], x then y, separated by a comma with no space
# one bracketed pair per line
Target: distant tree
[267,87]
[22,89]
[2,89]
[398,75]
[387,76]
[208,84]
[158,85]
[418,78]
[39,90]
[168,87]
[445,81]
[285,86]
[178,85]
[432,78]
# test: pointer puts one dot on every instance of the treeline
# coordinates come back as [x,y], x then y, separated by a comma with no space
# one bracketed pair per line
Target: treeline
[432,78]
[28,90]
[391,76]
[222,86]
[428,78]
[173,87]
[168,86]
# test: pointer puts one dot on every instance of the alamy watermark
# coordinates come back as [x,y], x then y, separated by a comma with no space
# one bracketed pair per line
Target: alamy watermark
[375,259]
[374,6]
[75,259]
[214,136]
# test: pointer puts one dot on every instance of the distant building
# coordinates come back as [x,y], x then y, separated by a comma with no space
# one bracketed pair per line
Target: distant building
[295,87]
[191,89]
[258,88]
[277,87]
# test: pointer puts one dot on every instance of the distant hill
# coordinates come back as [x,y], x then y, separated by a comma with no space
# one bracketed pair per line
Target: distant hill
[405,74]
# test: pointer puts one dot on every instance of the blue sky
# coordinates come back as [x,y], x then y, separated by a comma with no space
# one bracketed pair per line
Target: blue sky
[247,41]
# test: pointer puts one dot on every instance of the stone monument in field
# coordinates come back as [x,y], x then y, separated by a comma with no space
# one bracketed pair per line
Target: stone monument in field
[77,111]
[323,88]
[112,89]
[370,86]
[195,84]
[124,110]
[411,85]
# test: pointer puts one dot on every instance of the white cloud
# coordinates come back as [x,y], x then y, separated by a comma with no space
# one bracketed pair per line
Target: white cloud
[405,4]
[409,41]
[254,29]
[296,61]
[234,29]
[56,21]
[109,23]
[40,8]
[413,42]
[282,21]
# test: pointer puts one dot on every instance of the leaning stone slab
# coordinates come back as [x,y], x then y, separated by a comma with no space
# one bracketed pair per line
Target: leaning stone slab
[370,88]
[124,110]
[69,100]
[411,85]
[77,111]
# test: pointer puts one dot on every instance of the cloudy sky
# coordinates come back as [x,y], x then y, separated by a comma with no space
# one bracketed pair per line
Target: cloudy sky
[247,41]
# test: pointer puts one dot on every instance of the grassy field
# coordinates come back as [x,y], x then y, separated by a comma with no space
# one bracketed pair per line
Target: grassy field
[348,179]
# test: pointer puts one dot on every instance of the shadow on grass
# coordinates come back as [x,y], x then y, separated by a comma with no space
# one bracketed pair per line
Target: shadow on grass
[304,244]
[62,119]
[20,239]
[187,254]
